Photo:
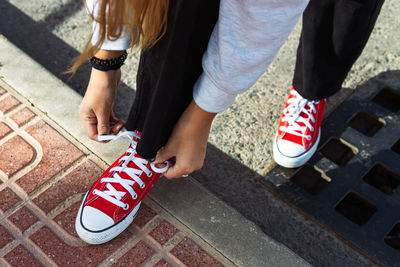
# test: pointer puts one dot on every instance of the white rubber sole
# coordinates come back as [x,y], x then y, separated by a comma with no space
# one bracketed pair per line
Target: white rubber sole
[294,162]
[100,237]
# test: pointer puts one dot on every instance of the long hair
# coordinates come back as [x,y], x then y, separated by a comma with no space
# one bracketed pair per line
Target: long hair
[146,20]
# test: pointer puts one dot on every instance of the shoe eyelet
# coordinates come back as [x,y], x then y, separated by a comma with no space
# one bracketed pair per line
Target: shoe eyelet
[143,186]
[150,174]
[312,129]
[308,138]
[135,196]
[94,192]
[126,207]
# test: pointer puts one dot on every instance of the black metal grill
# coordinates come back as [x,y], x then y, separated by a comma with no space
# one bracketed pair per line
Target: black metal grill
[352,183]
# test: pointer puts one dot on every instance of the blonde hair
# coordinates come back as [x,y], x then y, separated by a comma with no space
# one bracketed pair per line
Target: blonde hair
[146,20]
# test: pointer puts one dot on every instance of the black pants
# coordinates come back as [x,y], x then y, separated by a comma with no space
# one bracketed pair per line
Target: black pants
[333,36]
[168,71]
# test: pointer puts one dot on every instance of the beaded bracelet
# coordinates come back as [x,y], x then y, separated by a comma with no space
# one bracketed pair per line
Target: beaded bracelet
[108,64]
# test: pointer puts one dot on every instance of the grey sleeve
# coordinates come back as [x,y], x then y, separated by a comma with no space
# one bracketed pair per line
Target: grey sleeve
[244,42]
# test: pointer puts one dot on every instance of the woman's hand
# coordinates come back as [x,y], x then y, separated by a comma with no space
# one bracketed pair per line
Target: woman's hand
[186,147]
[95,110]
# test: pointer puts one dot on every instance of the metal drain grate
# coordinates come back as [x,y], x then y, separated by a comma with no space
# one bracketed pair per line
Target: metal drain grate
[356,208]
[352,183]
[383,178]
[338,151]
[388,98]
[366,123]
[396,147]
[309,179]
[393,237]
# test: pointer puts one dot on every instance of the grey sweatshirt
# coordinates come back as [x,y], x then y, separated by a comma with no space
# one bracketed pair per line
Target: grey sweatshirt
[245,40]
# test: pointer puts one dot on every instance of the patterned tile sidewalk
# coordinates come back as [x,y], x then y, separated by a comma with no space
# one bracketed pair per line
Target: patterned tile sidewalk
[43,177]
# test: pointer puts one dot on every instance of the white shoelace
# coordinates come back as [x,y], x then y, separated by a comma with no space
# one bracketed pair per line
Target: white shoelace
[297,105]
[111,194]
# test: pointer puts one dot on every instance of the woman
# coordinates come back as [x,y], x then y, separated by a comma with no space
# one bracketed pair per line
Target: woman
[178,92]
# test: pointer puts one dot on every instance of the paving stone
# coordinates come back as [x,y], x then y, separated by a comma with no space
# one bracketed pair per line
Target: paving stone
[21,257]
[135,256]
[66,219]
[8,103]
[191,254]
[22,116]
[4,130]
[162,263]
[5,237]
[78,181]
[163,232]
[89,255]
[145,215]
[58,153]
[15,154]
[23,218]
[8,199]
[2,91]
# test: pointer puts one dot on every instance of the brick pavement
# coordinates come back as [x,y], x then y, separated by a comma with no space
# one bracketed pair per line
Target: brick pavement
[43,177]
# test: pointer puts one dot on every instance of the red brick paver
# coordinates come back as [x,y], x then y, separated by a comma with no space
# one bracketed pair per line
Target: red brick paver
[162,263]
[145,215]
[22,116]
[2,91]
[5,236]
[58,153]
[43,180]
[8,103]
[136,255]
[4,130]
[77,181]
[23,218]
[191,254]
[163,232]
[19,256]
[15,154]
[8,199]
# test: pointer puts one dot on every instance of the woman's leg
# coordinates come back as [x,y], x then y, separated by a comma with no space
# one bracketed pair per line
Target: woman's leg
[165,82]
[333,36]
[168,71]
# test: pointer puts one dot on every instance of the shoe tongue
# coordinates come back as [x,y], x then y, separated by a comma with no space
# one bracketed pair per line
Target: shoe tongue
[301,125]
[131,164]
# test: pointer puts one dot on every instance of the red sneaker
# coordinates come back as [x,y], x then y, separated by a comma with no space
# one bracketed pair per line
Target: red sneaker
[113,201]
[298,131]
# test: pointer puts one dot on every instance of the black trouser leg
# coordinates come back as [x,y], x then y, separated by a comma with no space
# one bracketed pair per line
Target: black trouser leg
[333,36]
[168,71]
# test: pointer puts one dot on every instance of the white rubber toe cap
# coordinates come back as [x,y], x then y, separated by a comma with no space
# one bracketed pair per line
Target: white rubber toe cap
[289,149]
[95,220]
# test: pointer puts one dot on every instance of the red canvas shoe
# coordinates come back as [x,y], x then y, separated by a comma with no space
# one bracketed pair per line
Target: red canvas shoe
[113,201]
[298,131]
